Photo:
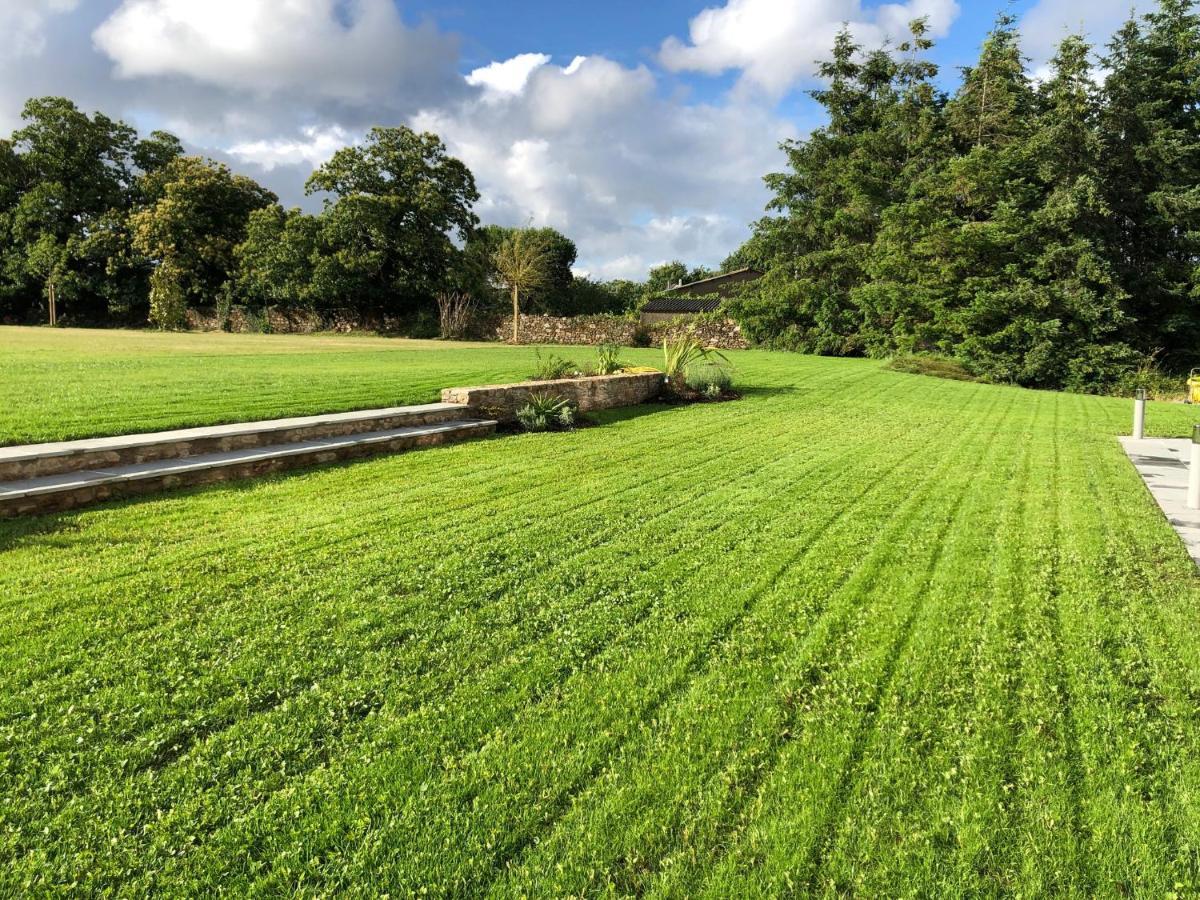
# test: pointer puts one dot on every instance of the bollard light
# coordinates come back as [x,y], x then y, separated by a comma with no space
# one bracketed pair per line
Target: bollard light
[1193,493]
[1139,414]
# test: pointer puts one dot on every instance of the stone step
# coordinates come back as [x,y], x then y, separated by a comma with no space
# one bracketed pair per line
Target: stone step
[37,460]
[50,493]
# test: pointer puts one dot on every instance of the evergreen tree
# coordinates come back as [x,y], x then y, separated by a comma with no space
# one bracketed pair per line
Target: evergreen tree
[1151,150]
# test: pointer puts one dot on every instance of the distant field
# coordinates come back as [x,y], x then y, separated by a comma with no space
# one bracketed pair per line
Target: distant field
[72,383]
[860,632]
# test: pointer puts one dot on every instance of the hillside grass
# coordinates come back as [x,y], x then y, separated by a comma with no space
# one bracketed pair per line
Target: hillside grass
[859,632]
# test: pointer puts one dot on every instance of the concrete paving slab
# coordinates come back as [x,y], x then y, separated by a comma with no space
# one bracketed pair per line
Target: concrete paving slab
[1163,465]
[61,448]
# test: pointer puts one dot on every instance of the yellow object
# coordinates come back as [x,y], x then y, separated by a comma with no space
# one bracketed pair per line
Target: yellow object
[639,370]
[1193,385]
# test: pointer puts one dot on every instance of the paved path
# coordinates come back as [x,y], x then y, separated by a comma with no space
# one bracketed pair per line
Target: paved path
[1163,465]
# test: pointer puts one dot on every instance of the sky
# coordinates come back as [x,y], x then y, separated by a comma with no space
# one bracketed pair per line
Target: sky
[641,129]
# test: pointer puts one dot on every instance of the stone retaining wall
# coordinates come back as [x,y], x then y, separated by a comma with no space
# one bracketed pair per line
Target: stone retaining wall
[501,401]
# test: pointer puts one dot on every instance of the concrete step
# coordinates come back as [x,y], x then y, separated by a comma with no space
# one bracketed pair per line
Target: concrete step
[37,460]
[50,493]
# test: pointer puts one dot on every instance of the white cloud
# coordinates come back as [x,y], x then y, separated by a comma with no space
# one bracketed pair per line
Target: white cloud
[777,43]
[22,23]
[1049,21]
[325,48]
[508,77]
[314,147]
[593,150]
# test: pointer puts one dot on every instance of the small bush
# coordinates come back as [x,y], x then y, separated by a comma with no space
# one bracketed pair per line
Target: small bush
[544,412]
[931,364]
[553,367]
[608,359]
[708,379]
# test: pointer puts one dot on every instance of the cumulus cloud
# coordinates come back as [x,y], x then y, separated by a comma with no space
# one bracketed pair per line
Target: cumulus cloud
[326,48]
[775,44]
[633,178]
[509,76]
[1049,21]
[313,147]
[22,23]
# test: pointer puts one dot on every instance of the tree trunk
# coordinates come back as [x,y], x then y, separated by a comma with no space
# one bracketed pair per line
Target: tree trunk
[516,316]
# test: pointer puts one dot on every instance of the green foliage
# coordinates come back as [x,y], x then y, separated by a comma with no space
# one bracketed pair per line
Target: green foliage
[545,412]
[682,352]
[67,184]
[708,379]
[523,262]
[194,216]
[397,202]
[608,359]
[168,304]
[277,262]
[931,364]
[552,367]
[1045,236]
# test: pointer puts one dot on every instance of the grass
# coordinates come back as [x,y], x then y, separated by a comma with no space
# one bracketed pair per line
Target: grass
[61,384]
[859,632]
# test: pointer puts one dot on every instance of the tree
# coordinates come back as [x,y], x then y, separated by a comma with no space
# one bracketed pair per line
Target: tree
[556,296]
[67,182]
[523,265]
[1150,137]
[397,202]
[278,261]
[196,213]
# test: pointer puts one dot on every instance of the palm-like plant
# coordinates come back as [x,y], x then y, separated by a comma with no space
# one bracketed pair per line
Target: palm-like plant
[685,351]
[522,264]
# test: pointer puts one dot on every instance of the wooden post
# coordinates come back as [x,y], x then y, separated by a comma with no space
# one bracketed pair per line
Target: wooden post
[53,305]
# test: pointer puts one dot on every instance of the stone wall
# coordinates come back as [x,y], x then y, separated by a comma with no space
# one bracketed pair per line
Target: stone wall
[586,330]
[501,401]
[291,321]
[592,330]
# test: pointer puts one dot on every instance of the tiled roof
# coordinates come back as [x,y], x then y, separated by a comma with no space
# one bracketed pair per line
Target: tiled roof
[682,304]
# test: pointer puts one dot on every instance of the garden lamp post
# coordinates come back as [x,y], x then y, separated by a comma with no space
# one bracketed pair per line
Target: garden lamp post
[1139,414]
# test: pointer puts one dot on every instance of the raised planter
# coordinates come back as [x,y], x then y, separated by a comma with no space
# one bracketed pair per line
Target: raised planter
[501,401]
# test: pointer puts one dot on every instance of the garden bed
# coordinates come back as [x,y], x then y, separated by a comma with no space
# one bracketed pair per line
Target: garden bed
[502,401]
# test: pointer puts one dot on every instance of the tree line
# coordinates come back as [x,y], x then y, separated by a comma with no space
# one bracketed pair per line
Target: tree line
[123,229]
[1044,231]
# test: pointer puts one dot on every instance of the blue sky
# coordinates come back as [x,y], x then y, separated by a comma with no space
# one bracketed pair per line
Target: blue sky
[640,129]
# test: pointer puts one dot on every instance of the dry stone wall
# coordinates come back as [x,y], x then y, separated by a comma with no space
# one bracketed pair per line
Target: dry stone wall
[591,330]
[501,401]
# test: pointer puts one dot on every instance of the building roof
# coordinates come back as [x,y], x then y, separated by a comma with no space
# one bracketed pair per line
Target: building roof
[682,304]
[717,284]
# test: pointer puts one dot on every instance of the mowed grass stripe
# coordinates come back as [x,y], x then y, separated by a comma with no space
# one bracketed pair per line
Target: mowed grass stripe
[340,790]
[836,694]
[823,599]
[474,718]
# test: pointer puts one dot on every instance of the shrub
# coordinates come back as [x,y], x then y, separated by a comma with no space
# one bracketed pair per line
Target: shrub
[553,367]
[683,352]
[454,314]
[608,359]
[931,364]
[708,379]
[545,412]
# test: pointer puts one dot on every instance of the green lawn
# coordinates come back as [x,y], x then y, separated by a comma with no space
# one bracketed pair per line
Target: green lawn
[860,632]
[71,383]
